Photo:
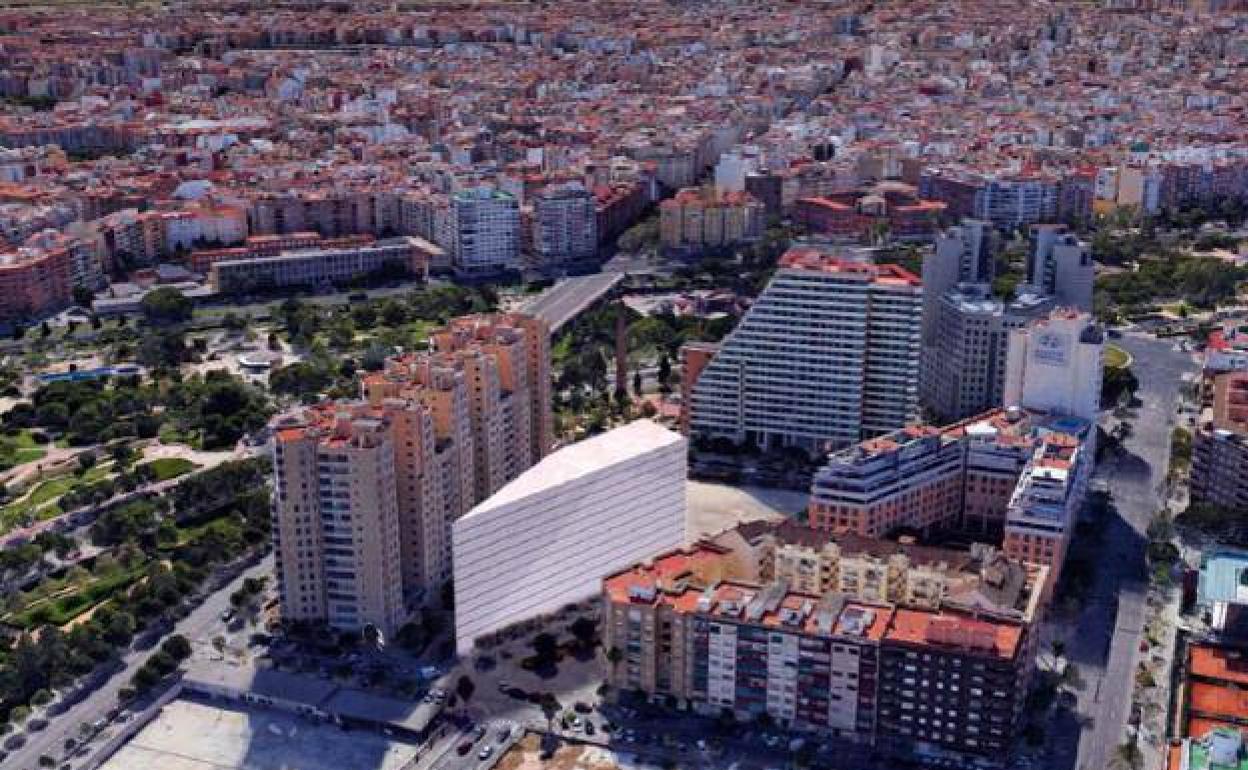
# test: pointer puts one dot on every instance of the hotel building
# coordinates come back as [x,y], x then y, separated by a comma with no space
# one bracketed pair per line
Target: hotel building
[452,425]
[1054,365]
[1009,473]
[547,538]
[828,354]
[964,367]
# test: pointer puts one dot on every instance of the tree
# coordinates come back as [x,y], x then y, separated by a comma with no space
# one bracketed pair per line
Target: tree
[546,646]
[162,349]
[585,631]
[166,305]
[233,322]
[177,647]
[550,708]
[465,688]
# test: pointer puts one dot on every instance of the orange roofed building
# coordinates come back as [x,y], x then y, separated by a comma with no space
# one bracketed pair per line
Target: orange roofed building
[698,625]
[366,491]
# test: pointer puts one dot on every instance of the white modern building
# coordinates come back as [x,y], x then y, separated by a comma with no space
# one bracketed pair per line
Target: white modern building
[548,538]
[1054,365]
[485,232]
[828,354]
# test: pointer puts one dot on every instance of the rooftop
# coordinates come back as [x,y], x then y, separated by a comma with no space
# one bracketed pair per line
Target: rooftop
[584,458]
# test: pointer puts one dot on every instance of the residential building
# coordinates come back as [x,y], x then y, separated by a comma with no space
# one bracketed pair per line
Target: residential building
[321,267]
[484,233]
[1054,365]
[963,370]
[564,226]
[1220,448]
[940,680]
[819,561]
[1211,692]
[435,433]
[1221,748]
[698,218]
[1061,266]
[336,528]
[828,353]
[35,281]
[547,538]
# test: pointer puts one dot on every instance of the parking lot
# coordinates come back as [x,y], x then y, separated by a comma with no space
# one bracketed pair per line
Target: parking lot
[188,735]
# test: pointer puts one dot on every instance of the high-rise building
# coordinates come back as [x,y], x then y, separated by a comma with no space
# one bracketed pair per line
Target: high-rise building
[484,232]
[336,523]
[1061,266]
[963,254]
[564,225]
[547,538]
[963,371]
[450,426]
[829,353]
[35,281]
[1054,365]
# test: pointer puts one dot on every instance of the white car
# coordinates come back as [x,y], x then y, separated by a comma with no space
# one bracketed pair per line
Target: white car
[485,752]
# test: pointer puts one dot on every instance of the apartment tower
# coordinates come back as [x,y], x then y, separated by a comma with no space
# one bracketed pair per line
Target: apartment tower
[829,353]
[449,427]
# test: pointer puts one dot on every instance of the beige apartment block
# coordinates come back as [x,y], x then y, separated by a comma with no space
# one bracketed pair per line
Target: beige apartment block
[442,430]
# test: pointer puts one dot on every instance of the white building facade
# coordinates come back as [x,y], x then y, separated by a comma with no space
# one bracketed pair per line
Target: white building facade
[1054,365]
[548,538]
[829,353]
[485,232]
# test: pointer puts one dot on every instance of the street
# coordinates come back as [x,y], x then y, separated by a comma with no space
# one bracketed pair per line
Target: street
[201,624]
[1108,632]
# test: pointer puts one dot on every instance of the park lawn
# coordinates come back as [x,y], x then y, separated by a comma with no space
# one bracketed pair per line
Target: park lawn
[167,468]
[62,608]
[1116,357]
[46,492]
[25,450]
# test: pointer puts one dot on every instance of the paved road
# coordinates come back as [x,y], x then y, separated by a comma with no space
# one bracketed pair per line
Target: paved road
[1110,628]
[201,623]
[570,297]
